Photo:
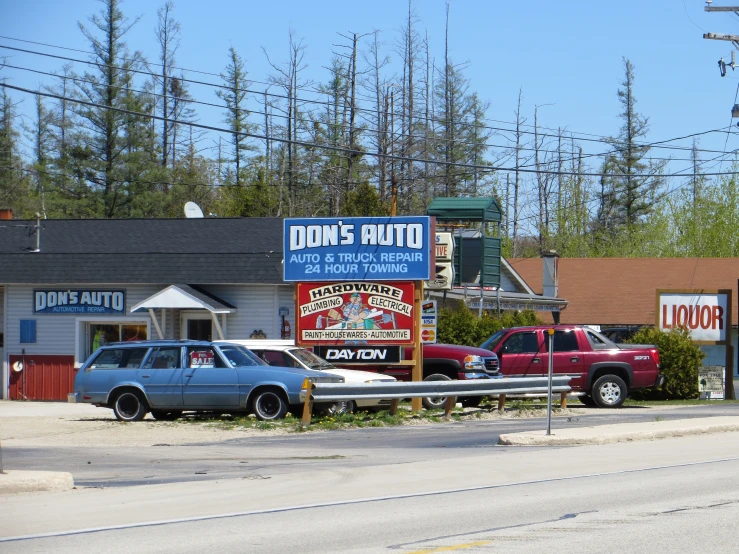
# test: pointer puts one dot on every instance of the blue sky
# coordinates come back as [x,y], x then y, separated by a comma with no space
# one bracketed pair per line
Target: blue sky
[567,54]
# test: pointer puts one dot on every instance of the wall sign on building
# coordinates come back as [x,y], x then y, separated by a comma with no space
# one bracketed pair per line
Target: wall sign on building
[705,314]
[356,312]
[358,248]
[79,301]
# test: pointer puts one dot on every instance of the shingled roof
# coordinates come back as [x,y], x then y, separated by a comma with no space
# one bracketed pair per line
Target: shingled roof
[195,251]
[622,291]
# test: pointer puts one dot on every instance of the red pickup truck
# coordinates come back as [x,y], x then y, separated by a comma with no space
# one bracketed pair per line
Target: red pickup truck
[602,371]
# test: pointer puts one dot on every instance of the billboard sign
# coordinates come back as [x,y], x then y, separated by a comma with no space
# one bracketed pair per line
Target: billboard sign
[356,312]
[358,248]
[703,314]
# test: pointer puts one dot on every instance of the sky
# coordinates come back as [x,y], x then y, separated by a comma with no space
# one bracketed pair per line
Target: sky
[566,56]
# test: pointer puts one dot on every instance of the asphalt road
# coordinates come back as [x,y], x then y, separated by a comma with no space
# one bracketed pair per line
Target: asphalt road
[674,495]
[265,457]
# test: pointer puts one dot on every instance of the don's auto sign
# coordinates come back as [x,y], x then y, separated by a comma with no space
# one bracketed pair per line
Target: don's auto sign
[358,248]
[355,312]
[79,301]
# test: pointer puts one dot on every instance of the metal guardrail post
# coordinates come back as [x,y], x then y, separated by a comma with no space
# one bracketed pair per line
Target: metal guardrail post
[501,403]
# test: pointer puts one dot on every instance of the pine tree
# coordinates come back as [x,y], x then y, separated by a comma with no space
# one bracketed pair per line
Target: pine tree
[632,186]
[233,95]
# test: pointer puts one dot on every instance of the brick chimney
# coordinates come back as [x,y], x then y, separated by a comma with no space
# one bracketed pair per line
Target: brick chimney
[550,279]
[6,213]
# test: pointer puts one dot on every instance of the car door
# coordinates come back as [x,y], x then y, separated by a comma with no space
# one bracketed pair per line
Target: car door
[567,356]
[520,354]
[161,377]
[208,381]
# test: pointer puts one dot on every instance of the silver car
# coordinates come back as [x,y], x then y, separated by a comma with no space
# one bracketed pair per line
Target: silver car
[167,377]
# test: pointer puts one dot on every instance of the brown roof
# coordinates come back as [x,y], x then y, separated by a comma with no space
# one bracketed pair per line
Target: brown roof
[622,291]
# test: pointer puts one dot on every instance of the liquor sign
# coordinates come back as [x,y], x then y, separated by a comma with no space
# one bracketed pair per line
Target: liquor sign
[345,355]
[357,312]
[358,248]
[429,331]
[79,301]
[704,314]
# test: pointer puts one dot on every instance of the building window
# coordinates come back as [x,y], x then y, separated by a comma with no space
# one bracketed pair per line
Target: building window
[28,331]
[100,334]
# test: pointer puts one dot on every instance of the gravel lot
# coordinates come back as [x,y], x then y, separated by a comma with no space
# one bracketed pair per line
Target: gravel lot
[26,424]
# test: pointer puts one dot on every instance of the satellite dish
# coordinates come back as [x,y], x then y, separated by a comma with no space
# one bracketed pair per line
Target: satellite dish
[192,210]
[18,366]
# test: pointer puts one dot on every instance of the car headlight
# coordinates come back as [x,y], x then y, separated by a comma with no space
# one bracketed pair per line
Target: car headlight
[474,363]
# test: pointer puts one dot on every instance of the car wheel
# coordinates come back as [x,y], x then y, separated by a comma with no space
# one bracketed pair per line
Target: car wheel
[161,415]
[130,406]
[435,403]
[471,401]
[587,400]
[609,391]
[340,408]
[269,405]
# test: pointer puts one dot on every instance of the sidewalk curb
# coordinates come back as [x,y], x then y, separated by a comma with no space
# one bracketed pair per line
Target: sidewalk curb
[608,434]
[18,481]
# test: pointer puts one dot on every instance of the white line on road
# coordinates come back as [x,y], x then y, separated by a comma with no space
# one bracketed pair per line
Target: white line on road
[349,502]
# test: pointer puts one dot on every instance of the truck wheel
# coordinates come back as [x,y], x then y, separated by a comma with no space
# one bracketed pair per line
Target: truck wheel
[609,391]
[435,403]
[587,400]
[471,401]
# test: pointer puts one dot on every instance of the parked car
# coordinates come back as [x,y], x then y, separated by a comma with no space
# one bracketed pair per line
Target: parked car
[167,377]
[602,371]
[620,334]
[285,353]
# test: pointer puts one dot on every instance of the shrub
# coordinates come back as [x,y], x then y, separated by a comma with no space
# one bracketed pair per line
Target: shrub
[463,326]
[679,358]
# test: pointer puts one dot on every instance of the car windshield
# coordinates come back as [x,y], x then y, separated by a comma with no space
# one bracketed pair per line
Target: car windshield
[309,359]
[239,356]
[493,341]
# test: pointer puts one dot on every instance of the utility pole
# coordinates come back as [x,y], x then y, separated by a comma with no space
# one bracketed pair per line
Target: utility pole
[734,39]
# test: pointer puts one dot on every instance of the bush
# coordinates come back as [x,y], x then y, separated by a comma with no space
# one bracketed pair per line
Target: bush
[463,326]
[679,358]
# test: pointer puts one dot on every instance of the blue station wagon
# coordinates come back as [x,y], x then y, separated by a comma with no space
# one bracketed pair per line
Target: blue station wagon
[167,377]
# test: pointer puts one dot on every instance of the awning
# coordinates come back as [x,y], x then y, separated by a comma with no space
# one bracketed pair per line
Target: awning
[184,297]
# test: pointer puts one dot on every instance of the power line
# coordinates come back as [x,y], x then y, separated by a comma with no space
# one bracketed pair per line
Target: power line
[486,168]
[303,101]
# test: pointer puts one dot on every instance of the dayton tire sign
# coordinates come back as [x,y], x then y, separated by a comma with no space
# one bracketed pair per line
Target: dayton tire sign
[355,312]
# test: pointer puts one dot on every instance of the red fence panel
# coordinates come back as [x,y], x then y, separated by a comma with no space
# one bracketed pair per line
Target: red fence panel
[42,377]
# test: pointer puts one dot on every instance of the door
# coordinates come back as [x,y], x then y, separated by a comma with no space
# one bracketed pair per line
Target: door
[520,355]
[161,376]
[196,326]
[208,381]
[567,356]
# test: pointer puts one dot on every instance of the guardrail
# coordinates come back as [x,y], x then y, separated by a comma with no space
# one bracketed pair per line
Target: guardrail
[396,391]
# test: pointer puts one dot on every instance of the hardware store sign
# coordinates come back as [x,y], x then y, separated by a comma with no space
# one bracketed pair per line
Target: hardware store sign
[358,248]
[79,301]
[355,313]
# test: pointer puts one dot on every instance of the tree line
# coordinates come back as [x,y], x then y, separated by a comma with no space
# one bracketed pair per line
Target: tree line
[124,138]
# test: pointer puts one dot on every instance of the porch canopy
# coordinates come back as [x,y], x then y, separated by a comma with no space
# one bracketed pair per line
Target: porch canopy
[184,297]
